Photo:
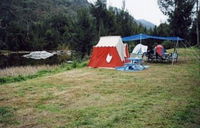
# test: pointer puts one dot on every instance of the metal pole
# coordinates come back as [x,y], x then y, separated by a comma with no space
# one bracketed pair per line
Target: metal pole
[174,51]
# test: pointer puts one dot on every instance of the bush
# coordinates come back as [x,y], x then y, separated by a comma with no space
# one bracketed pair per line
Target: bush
[168,44]
[83,64]
[74,64]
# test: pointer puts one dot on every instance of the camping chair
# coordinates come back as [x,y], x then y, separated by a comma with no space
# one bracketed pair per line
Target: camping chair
[150,55]
[160,55]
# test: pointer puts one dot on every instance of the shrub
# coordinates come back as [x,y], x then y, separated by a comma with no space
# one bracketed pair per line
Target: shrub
[168,44]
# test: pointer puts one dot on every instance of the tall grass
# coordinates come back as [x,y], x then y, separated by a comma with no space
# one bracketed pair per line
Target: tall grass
[39,72]
[24,70]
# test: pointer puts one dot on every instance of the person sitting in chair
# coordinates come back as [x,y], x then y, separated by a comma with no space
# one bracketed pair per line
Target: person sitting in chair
[159,49]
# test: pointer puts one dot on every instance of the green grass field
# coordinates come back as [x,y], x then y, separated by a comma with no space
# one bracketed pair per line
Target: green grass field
[163,96]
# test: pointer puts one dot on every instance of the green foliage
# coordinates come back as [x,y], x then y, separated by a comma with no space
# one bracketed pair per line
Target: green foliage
[163,30]
[47,24]
[168,44]
[114,21]
[77,25]
[36,24]
[83,33]
[74,64]
[180,15]
[193,33]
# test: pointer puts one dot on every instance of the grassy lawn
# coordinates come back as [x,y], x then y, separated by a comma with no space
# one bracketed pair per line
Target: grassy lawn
[163,96]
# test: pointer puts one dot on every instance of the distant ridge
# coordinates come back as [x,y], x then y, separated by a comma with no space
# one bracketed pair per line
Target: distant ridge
[146,23]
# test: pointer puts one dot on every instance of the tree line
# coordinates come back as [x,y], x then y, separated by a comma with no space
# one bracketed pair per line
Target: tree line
[24,27]
[183,18]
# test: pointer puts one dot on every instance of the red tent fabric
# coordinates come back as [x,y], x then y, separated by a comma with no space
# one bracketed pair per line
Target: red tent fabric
[100,57]
[110,52]
[127,54]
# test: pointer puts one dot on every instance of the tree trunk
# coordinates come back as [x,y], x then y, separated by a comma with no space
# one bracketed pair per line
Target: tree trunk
[197,22]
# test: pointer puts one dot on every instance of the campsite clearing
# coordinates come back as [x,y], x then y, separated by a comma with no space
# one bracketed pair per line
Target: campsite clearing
[163,96]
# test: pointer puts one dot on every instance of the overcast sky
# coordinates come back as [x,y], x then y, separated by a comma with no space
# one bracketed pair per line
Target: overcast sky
[141,9]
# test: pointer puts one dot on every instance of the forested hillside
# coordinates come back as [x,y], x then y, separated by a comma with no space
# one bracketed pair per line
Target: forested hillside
[72,24]
[54,24]
[27,24]
[34,10]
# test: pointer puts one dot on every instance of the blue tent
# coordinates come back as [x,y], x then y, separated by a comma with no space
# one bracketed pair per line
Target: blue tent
[144,36]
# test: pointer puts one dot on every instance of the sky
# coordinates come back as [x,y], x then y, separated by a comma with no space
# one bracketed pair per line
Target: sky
[141,9]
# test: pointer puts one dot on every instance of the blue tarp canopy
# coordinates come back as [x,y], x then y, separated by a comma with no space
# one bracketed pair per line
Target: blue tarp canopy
[144,36]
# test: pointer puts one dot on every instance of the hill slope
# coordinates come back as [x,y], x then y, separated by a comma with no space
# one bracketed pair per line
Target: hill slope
[36,9]
[146,23]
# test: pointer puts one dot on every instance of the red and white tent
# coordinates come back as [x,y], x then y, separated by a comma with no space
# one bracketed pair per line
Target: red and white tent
[110,52]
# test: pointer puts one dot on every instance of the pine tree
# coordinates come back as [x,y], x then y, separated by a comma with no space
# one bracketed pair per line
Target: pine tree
[180,15]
